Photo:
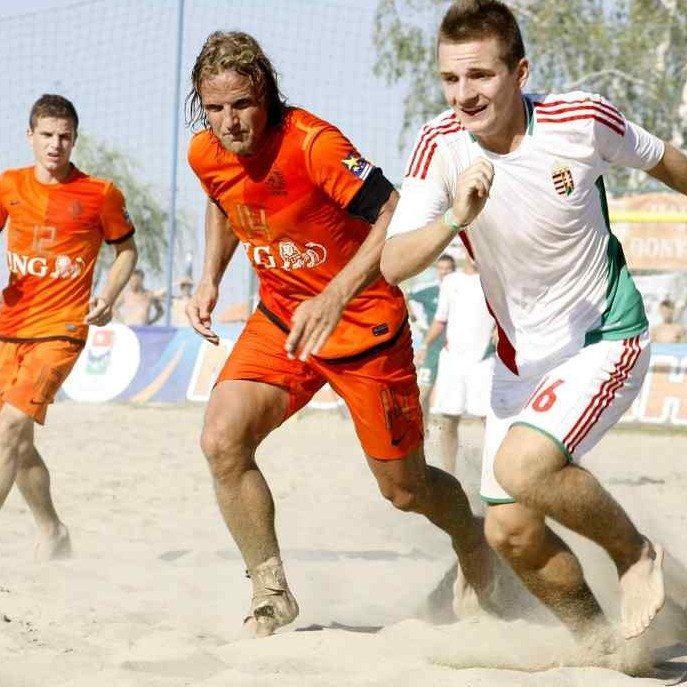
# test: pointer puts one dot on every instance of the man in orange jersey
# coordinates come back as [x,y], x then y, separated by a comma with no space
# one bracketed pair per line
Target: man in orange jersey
[56,218]
[311,214]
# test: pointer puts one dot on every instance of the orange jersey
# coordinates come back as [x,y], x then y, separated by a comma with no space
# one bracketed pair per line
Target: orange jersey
[287,206]
[54,234]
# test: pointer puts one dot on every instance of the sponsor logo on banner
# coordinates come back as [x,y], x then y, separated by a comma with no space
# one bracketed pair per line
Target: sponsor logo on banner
[562,180]
[209,364]
[663,397]
[358,166]
[99,353]
[653,230]
[106,366]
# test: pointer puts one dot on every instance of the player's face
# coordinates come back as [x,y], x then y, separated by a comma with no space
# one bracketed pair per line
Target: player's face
[136,281]
[53,140]
[236,113]
[483,92]
[443,268]
[667,313]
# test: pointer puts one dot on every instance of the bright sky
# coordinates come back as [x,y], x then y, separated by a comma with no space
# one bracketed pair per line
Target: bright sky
[13,7]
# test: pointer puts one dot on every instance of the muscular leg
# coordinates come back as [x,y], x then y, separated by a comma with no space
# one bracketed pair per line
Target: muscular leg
[240,414]
[449,442]
[544,563]
[33,480]
[19,460]
[412,485]
[531,468]
[15,427]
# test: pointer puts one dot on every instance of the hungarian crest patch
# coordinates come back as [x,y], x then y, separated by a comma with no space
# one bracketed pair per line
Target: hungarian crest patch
[562,180]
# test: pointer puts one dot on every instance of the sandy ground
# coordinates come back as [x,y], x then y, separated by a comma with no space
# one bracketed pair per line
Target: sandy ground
[155,592]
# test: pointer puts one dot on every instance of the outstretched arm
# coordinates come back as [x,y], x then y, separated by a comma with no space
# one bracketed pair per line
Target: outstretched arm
[672,169]
[101,306]
[436,329]
[220,244]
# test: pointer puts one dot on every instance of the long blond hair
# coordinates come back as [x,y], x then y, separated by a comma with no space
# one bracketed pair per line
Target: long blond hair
[239,52]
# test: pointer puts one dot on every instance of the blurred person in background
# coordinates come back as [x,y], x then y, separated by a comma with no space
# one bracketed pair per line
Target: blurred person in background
[179,318]
[422,305]
[668,331]
[463,385]
[138,305]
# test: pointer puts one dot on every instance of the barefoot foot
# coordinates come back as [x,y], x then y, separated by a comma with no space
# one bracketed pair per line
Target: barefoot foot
[472,592]
[53,545]
[642,594]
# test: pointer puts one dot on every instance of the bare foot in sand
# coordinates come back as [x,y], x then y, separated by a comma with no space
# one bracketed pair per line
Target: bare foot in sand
[469,598]
[641,591]
[603,647]
[54,545]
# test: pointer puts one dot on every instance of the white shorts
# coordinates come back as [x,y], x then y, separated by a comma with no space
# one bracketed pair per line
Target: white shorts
[461,386]
[574,402]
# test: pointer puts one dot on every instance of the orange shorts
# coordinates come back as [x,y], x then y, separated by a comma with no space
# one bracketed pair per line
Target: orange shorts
[32,372]
[379,388]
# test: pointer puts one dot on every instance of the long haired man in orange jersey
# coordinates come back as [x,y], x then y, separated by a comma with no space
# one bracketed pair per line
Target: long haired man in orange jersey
[311,213]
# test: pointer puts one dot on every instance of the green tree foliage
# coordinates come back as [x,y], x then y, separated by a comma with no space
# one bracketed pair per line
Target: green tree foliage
[634,52]
[145,211]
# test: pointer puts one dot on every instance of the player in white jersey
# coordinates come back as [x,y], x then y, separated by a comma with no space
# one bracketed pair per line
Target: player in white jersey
[465,366]
[519,177]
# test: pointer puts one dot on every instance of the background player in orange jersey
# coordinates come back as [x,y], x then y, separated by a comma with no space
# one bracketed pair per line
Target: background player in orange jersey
[56,218]
[312,215]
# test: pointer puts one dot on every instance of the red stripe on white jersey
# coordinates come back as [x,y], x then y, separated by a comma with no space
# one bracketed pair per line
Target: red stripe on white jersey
[504,348]
[424,146]
[613,127]
[604,106]
[604,397]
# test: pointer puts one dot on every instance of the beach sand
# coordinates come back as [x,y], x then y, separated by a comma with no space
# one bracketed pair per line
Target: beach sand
[155,592]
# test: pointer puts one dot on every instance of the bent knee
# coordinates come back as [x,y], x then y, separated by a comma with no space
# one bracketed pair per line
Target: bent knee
[227,455]
[512,536]
[405,498]
[525,461]
[14,424]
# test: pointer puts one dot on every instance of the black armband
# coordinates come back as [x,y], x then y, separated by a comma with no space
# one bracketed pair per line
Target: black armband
[368,201]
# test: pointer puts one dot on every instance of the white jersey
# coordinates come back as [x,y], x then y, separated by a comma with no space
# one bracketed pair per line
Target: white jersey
[553,274]
[468,322]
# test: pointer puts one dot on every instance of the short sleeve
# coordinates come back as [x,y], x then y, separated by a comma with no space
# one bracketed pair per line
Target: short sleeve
[621,142]
[196,152]
[116,223]
[424,197]
[336,166]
